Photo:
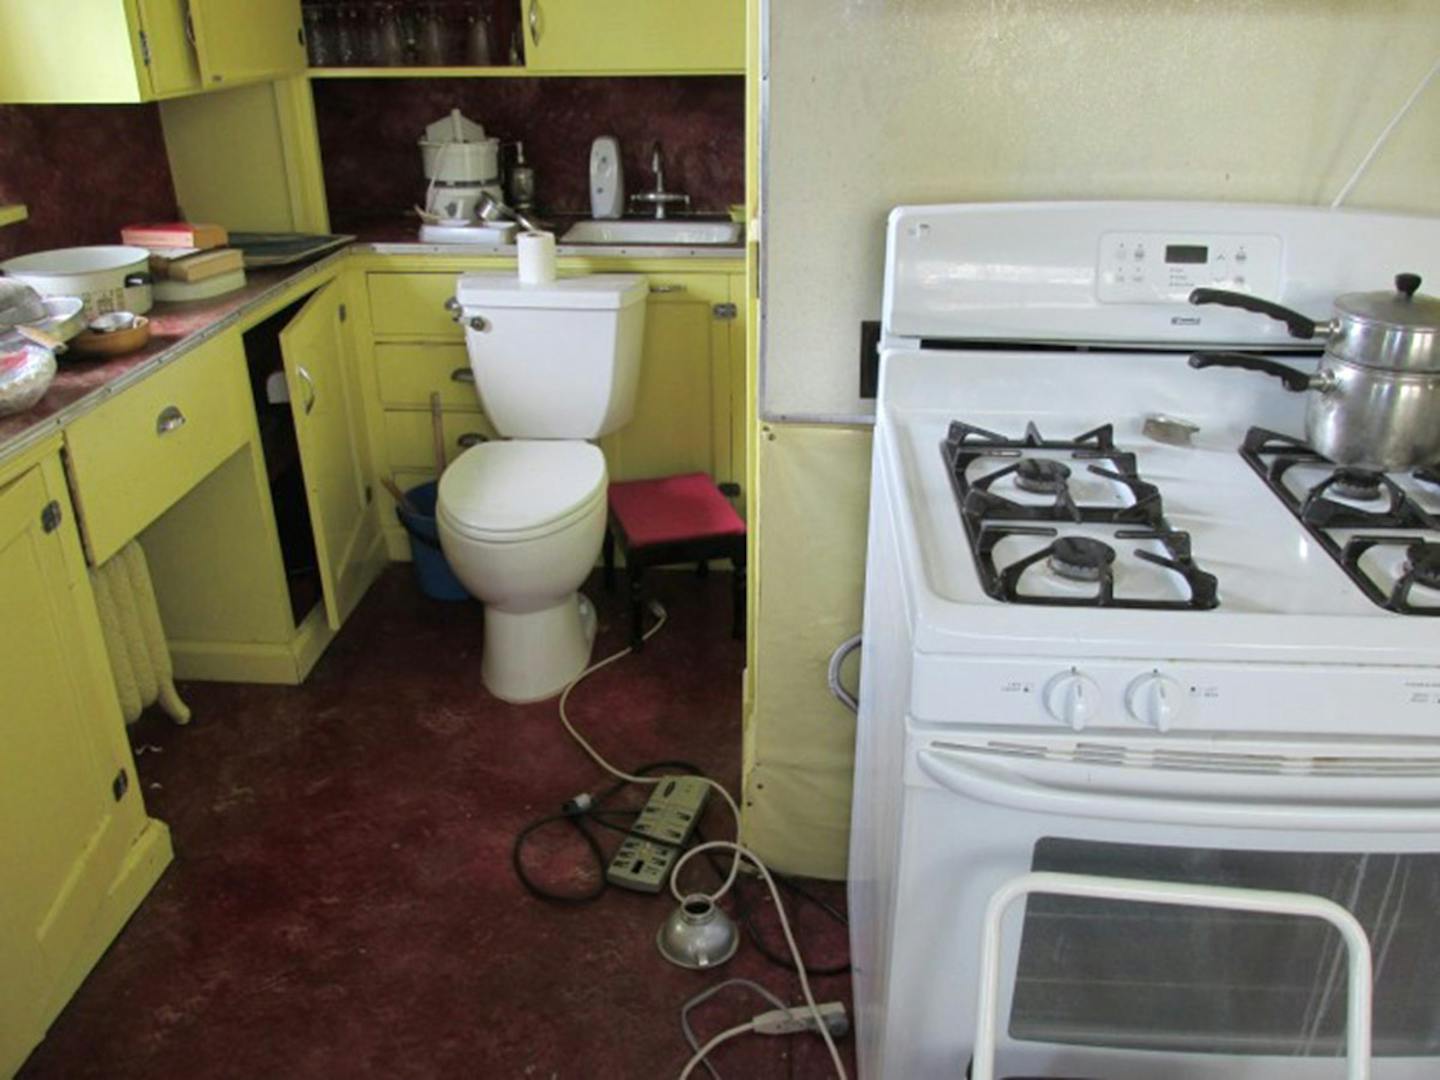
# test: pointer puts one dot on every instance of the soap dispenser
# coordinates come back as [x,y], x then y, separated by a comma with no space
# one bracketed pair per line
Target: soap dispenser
[607,179]
[522,181]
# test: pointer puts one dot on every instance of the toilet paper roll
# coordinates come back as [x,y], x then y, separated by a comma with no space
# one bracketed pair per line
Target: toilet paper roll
[536,257]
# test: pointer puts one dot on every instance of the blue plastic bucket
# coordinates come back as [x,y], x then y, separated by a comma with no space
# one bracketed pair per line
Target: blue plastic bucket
[432,572]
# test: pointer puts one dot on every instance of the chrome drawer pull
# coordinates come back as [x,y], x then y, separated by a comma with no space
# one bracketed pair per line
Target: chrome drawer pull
[535,21]
[170,419]
[452,305]
[471,438]
[309,385]
[667,288]
[462,374]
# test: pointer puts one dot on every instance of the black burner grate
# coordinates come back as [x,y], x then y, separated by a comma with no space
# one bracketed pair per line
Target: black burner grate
[1273,455]
[990,517]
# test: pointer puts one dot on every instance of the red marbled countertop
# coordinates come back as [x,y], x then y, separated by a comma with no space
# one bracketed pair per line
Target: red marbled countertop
[80,385]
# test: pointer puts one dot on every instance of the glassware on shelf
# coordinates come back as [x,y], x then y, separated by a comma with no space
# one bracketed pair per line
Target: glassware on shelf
[389,37]
[435,38]
[478,38]
[347,35]
[320,35]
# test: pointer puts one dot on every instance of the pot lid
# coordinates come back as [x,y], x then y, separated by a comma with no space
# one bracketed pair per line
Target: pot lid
[101,258]
[1403,308]
[519,485]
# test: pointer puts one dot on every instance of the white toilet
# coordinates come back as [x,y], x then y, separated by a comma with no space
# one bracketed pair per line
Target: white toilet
[521,520]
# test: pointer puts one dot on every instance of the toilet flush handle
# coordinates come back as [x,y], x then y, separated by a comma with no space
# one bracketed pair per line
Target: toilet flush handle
[478,324]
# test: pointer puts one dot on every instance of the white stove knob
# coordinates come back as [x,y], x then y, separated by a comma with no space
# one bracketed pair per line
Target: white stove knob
[1073,699]
[1155,700]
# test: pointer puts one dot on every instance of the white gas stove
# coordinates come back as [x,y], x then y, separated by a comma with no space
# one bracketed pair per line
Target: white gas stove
[1120,619]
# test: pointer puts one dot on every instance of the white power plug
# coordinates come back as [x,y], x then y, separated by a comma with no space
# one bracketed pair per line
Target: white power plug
[800,1018]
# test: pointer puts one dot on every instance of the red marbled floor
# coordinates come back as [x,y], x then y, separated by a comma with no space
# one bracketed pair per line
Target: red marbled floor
[342,901]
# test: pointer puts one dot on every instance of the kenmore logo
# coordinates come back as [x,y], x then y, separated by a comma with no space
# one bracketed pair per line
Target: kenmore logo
[1184,320]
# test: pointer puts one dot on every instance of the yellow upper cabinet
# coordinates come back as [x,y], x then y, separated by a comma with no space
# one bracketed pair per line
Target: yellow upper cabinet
[75,51]
[245,40]
[619,36]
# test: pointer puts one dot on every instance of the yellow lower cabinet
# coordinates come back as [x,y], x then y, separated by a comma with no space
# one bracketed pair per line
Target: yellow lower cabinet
[410,437]
[408,373]
[413,305]
[135,456]
[71,814]
[682,420]
[317,370]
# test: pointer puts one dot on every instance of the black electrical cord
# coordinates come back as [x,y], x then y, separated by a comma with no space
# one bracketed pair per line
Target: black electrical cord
[780,958]
[577,814]
[596,811]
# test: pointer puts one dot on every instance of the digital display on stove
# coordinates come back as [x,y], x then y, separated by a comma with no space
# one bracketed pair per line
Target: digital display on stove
[1187,253]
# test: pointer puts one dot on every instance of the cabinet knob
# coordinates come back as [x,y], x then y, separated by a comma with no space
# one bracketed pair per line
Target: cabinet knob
[170,419]
[470,438]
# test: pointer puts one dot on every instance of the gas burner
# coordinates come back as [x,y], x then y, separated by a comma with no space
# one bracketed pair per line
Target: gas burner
[1273,455]
[1358,485]
[1041,476]
[1082,558]
[1079,558]
[1422,564]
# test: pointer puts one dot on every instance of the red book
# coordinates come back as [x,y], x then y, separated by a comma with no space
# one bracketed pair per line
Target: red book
[177,234]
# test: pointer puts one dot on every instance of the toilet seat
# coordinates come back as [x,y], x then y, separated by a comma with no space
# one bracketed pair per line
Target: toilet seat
[520,489]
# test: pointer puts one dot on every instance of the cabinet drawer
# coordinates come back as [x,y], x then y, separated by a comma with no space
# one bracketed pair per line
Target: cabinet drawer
[409,374]
[136,455]
[409,442]
[413,305]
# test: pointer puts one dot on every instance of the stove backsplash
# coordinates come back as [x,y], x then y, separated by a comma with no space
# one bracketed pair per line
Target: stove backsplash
[369,129]
[83,171]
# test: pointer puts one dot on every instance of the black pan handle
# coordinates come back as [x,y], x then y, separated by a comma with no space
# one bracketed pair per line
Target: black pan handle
[1293,378]
[1301,326]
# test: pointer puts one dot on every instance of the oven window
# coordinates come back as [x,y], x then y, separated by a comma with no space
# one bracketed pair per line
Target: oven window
[1151,977]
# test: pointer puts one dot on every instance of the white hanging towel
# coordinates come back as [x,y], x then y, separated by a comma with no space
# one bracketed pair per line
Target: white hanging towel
[134,638]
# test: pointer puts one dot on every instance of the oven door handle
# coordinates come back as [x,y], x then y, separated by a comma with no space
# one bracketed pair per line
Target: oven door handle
[1071,790]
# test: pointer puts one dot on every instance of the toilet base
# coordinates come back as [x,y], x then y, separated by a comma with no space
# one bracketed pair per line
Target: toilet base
[534,655]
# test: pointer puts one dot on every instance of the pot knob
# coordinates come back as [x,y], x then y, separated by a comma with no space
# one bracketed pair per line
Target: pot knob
[1407,284]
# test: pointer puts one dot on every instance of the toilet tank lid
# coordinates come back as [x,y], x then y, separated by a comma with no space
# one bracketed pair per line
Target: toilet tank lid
[519,485]
[594,292]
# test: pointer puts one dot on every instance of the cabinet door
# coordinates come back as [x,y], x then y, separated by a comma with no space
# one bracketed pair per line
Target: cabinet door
[634,35]
[682,408]
[317,373]
[244,40]
[172,63]
[66,795]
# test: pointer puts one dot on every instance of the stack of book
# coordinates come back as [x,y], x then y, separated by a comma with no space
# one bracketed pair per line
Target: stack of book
[188,261]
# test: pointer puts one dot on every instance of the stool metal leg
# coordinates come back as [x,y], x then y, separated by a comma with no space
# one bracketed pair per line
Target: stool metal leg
[607,550]
[738,561]
[637,607]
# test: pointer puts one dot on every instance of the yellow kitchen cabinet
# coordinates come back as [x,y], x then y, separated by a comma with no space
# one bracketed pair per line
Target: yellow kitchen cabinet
[77,852]
[683,406]
[639,36]
[76,51]
[316,353]
[135,456]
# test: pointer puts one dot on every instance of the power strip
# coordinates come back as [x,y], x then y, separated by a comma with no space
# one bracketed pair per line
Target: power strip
[662,830]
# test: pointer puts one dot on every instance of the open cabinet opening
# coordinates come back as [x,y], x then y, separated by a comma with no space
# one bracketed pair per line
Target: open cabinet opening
[282,460]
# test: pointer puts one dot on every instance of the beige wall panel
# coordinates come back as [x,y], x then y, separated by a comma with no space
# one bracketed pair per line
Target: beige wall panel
[814,484]
[878,102]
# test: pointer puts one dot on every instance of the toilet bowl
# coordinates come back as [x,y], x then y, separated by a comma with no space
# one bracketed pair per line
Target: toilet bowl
[521,523]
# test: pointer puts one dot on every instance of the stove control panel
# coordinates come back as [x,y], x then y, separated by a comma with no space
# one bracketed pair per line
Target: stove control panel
[1162,268]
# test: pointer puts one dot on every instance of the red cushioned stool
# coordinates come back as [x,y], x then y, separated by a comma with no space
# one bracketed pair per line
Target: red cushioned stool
[673,519]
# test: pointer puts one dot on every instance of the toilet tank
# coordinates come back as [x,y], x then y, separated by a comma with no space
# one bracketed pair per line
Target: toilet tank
[554,361]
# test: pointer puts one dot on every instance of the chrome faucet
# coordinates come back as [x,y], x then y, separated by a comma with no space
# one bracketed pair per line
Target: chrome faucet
[659,198]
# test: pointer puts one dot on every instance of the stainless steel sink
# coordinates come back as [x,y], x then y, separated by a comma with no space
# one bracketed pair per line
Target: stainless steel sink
[669,231]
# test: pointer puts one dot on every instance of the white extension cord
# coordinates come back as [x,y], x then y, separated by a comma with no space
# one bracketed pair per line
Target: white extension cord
[740,853]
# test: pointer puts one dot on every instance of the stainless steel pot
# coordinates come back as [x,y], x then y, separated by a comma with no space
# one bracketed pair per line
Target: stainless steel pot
[1375,398]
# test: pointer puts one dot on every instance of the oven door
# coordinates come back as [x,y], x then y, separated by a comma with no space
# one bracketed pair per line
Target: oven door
[1113,990]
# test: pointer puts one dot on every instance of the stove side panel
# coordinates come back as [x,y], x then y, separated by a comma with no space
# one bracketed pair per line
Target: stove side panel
[877,807]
